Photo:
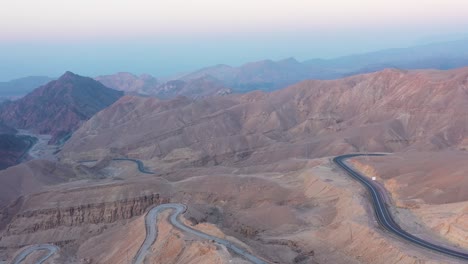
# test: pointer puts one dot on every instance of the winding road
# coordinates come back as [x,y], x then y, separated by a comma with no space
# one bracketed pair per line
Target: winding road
[139,163]
[151,236]
[178,209]
[51,249]
[383,214]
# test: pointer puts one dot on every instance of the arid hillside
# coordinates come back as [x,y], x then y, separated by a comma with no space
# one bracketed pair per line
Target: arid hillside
[255,169]
[385,111]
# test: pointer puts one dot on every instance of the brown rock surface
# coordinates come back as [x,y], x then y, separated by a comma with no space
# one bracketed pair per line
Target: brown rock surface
[292,211]
[255,166]
[385,111]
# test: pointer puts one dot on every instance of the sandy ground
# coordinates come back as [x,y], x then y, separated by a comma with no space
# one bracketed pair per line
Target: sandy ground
[293,211]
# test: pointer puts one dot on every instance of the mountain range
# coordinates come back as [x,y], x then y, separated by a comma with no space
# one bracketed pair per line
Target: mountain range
[268,75]
[385,111]
[253,167]
[148,85]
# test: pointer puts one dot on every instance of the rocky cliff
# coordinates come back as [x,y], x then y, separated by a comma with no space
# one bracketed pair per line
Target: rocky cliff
[100,213]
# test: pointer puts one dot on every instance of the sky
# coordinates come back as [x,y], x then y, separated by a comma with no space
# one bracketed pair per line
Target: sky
[166,37]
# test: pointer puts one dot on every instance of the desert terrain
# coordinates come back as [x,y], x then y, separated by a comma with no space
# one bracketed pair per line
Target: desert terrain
[255,169]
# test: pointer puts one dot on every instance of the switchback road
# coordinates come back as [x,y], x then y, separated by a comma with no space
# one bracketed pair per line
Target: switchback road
[178,209]
[383,214]
[50,249]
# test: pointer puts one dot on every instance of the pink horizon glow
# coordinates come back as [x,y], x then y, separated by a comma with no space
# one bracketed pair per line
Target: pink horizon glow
[59,19]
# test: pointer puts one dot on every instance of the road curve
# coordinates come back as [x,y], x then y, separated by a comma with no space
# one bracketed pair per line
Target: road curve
[152,233]
[52,249]
[139,163]
[383,214]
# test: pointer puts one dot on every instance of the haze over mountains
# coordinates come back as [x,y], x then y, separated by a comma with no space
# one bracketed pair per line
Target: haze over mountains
[268,75]
[253,167]
[271,75]
[17,88]
[148,85]
[234,132]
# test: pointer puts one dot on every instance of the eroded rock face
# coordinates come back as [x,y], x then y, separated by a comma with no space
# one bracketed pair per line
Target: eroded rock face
[44,219]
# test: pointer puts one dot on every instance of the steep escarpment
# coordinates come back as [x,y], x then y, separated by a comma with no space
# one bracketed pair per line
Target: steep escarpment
[107,212]
[69,222]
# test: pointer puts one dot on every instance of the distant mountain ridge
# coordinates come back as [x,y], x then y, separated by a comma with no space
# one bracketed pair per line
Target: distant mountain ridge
[442,56]
[20,87]
[148,85]
[264,75]
[268,75]
[130,83]
[271,75]
[59,107]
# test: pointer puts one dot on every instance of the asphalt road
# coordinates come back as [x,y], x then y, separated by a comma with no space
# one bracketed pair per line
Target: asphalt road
[151,235]
[139,163]
[178,209]
[383,215]
[51,249]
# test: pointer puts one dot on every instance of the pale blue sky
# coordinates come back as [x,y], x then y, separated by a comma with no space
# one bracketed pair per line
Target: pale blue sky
[164,37]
